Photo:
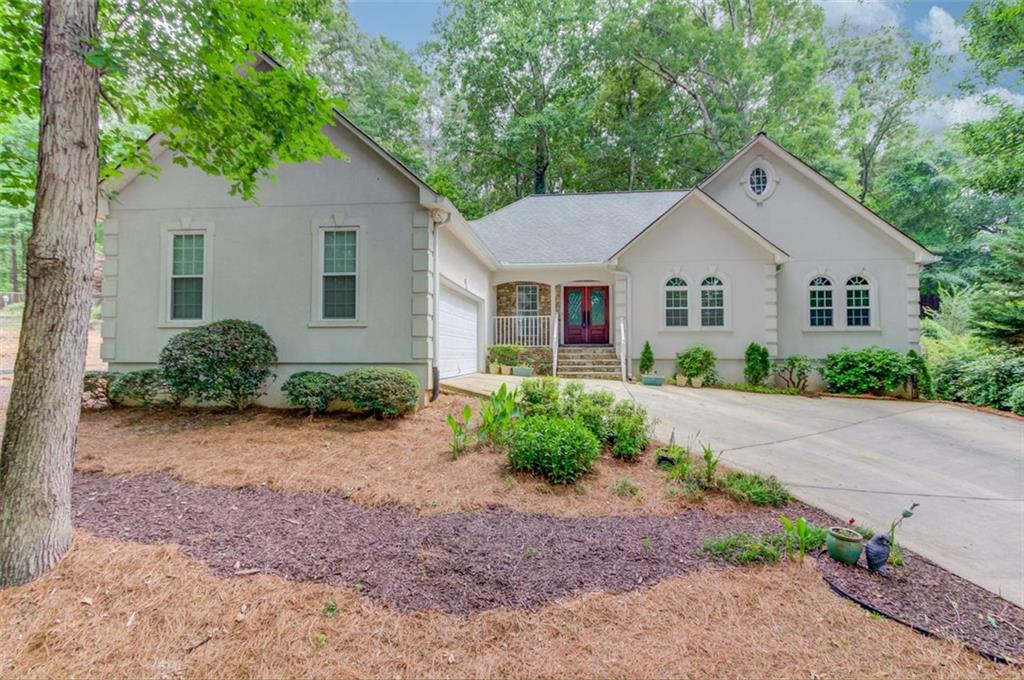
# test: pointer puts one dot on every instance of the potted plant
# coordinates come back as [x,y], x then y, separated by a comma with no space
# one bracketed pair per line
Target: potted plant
[695,364]
[648,376]
[844,544]
[504,357]
[522,371]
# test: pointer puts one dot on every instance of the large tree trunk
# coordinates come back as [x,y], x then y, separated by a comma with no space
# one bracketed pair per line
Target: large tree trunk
[42,419]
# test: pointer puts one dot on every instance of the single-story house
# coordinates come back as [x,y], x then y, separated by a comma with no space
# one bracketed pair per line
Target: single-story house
[358,262]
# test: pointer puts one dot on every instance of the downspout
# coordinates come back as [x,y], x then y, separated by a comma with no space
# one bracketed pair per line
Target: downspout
[438,218]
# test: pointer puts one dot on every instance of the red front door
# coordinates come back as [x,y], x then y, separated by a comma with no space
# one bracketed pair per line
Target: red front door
[586,315]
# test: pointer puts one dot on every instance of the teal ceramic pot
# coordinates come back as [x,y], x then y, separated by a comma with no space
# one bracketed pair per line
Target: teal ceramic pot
[522,371]
[844,545]
[655,380]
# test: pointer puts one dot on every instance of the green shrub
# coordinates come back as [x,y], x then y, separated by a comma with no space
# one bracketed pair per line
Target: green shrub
[759,389]
[312,391]
[696,362]
[95,388]
[540,396]
[145,387]
[225,362]
[646,359]
[742,548]
[757,363]
[593,409]
[753,488]
[626,488]
[874,370]
[497,413]
[381,392]
[558,449]
[794,371]
[920,376]
[1016,399]
[506,355]
[630,429]
[538,358]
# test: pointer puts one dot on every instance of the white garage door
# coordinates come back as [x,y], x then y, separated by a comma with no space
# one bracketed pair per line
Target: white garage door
[458,334]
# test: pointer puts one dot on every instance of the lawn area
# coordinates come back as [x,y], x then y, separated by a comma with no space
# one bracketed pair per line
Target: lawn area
[266,543]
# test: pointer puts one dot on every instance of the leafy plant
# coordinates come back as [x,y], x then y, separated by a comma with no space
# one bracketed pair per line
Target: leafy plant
[696,362]
[801,535]
[496,415]
[874,370]
[559,449]
[540,396]
[506,355]
[753,488]
[710,466]
[760,389]
[646,543]
[975,372]
[331,608]
[310,390]
[626,488]
[460,431]
[741,548]
[630,429]
[1015,401]
[757,363]
[381,392]
[646,359]
[145,387]
[895,553]
[225,362]
[593,409]
[920,376]
[794,371]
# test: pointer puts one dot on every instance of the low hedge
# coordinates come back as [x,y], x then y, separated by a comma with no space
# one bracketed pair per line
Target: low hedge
[381,392]
[145,387]
[312,391]
[873,370]
[559,449]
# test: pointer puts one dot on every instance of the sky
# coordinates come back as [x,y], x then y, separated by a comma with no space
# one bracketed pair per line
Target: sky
[409,23]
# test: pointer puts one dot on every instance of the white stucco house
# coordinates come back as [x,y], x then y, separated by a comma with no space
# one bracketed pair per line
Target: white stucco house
[358,262]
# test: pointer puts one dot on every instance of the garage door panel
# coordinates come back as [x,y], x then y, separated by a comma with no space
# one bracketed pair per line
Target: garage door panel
[458,334]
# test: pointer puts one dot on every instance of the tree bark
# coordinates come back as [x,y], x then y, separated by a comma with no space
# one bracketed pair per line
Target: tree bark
[42,419]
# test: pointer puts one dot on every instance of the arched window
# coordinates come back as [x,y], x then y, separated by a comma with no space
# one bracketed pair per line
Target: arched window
[758,180]
[677,309]
[821,302]
[858,301]
[712,302]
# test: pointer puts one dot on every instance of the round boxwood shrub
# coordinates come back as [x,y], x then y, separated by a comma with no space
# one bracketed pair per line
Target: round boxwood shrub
[382,392]
[310,390]
[696,362]
[558,449]
[145,387]
[225,362]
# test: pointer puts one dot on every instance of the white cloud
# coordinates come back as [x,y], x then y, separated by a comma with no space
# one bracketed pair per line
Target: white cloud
[948,111]
[860,14]
[941,28]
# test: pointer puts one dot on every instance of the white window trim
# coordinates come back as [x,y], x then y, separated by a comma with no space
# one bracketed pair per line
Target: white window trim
[536,287]
[726,304]
[872,309]
[773,180]
[662,326]
[167,233]
[839,324]
[317,319]
[808,287]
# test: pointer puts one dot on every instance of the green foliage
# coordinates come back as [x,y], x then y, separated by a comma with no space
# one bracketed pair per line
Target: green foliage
[895,553]
[559,449]
[707,478]
[537,358]
[646,359]
[696,362]
[630,429]
[312,391]
[998,309]
[757,363]
[540,396]
[974,372]
[801,535]
[753,488]
[145,387]
[506,355]
[920,376]
[95,387]
[460,433]
[497,413]
[874,370]
[743,549]
[381,392]
[626,488]
[1015,402]
[794,371]
[593,409]
[225,362]
[955,312]
[759,389]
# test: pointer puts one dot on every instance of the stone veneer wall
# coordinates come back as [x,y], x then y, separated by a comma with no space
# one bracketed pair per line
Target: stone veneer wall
[506,298]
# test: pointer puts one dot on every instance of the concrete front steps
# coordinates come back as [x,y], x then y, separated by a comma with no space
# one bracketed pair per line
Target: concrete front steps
[597,362]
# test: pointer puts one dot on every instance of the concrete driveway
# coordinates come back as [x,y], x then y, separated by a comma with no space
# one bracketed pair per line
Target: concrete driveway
[867,459]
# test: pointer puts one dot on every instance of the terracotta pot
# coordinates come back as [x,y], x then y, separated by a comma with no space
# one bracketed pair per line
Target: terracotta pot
[505,370]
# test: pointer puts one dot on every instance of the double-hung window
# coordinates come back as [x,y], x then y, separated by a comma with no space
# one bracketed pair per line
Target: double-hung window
[677,312]
[188,271]
[858,302]
[820,298]
[712,302]
[339,273]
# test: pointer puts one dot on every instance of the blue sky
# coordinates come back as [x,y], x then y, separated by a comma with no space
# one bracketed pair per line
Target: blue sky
[409,23]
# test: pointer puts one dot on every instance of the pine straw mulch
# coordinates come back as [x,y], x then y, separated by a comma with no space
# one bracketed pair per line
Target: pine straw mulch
[404,462]
[123,609]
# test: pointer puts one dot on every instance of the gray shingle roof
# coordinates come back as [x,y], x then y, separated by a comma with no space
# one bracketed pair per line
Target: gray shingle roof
[570,228]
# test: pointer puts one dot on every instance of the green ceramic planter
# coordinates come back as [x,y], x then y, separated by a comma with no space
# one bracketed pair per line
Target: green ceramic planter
[656,380]
[522,371]
[844,545]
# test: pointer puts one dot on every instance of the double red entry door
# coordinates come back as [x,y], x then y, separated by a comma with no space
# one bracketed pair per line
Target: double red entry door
[586,315]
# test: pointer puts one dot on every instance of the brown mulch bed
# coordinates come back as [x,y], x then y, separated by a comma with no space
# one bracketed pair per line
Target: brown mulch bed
[926,596]
[455,562]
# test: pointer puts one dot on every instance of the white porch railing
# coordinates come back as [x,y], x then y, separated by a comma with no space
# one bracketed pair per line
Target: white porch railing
[528,331]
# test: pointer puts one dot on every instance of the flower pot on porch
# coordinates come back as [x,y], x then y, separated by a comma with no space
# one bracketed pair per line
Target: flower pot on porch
[494,369]
[505,370]
[844,545]
[697,382]
[522,371]
[653,380]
